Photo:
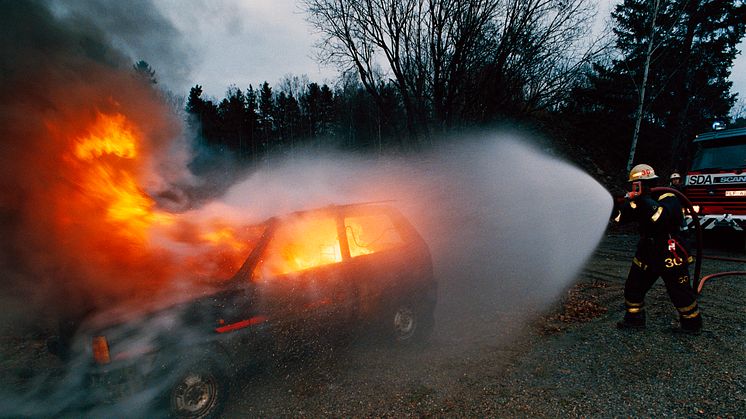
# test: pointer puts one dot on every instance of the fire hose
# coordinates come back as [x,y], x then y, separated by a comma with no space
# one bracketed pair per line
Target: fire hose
[697,282]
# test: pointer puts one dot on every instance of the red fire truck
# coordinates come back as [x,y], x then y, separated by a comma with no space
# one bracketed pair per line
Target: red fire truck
[716,180]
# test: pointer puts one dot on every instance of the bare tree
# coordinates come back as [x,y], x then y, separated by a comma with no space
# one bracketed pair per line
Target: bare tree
[447,56]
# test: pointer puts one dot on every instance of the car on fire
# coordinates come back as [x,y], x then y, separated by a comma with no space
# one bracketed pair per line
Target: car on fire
[323,272]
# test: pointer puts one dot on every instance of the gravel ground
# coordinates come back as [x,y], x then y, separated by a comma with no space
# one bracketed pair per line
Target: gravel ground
[567,361]
[591,369]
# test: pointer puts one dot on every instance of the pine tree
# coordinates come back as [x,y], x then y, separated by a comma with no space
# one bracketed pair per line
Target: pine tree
[266,115]
[203,116]
[233,116]
[311,103]
[144,71]
[252,122]
[288,120]
[690,46]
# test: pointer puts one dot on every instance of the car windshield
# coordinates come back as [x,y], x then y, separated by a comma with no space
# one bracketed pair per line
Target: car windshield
[720,155]
[227,251]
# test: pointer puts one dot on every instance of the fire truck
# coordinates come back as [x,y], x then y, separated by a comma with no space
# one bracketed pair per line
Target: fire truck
[716,179]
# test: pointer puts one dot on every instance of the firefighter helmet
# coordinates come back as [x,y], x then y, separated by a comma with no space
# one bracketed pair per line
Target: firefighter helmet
[642,172]
[675,175]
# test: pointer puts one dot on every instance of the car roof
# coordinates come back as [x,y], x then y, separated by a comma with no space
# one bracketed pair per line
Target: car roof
[343,207]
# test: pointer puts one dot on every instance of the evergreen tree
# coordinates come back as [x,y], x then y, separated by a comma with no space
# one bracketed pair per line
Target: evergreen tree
[144,71]
[288,120]
[266,115]
[233,116]
[691,45]
[252,122]
[326,111]
[311,103]
[203,116]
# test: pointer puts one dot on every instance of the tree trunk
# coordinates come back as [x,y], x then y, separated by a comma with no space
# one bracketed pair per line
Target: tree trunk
[641,101]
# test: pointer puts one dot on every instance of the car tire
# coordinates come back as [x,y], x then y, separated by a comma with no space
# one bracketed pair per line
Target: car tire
[199,391]
[409,321]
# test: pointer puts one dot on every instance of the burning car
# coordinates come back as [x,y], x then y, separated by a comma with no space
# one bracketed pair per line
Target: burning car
[322,272]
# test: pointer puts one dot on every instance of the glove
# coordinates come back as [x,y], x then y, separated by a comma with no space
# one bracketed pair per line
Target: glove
[644,206]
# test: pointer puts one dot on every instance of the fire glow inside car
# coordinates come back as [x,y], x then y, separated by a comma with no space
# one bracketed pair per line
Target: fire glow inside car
[315,273]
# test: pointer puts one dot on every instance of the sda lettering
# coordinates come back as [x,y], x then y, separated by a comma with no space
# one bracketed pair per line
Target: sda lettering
[700,179]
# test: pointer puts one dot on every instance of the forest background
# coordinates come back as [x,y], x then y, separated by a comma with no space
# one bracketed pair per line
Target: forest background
[416,73]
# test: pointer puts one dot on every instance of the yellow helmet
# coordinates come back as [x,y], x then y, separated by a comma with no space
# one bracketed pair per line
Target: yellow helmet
[642,172]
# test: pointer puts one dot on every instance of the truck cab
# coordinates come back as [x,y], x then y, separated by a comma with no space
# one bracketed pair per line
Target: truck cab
[716,180]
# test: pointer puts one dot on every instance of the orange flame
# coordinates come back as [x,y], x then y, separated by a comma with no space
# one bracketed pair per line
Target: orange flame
[104,154]
[302,243]
[114,227]
[111,134]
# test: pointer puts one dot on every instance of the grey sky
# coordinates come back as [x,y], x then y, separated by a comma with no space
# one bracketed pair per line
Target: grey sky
[245,42]
[252,41]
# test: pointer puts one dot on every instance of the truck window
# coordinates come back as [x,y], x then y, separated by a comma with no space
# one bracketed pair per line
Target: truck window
[368,234]
[713,154]
[300,243]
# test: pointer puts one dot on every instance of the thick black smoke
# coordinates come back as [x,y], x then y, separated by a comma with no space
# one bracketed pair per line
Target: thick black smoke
[137,29]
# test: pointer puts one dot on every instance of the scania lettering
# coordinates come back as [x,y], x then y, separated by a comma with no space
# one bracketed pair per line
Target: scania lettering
[716,180]
[732,179]
[699,180]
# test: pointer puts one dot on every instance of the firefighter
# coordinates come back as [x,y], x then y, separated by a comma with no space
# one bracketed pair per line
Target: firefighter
[660,252]
[675,181]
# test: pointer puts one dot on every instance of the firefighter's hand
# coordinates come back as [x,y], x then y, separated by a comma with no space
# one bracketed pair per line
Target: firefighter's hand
[643,206]
[619,202]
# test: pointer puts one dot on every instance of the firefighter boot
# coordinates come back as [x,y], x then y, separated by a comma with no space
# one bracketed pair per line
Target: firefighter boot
[632,320]
[691,325]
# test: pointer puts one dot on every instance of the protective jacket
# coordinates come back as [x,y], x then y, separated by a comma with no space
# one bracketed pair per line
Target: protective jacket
[660,253]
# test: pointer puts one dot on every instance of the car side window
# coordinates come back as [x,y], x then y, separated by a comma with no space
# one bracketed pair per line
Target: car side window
[368,234]
[300,243]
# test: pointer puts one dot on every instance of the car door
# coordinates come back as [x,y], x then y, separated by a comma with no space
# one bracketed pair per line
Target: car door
[302,275]
[379,263]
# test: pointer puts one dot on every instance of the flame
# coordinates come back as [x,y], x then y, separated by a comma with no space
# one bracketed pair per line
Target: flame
[225,236]
[111,134]
[104,156]
[371,234]
[117,230]
[113,226]
[310,241]
[301,243]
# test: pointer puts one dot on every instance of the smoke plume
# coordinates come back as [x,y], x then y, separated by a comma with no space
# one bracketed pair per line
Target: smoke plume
[62,82]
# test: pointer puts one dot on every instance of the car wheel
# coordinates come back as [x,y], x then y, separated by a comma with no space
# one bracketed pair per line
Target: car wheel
[410,321]
[199,392]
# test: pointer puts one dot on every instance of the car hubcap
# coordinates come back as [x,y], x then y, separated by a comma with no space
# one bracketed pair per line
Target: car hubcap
[404,323]
[195,395]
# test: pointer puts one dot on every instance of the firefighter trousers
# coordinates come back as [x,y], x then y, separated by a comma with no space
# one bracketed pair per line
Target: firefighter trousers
[675,274]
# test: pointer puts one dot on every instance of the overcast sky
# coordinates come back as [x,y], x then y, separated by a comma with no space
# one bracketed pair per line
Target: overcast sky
[252,41]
